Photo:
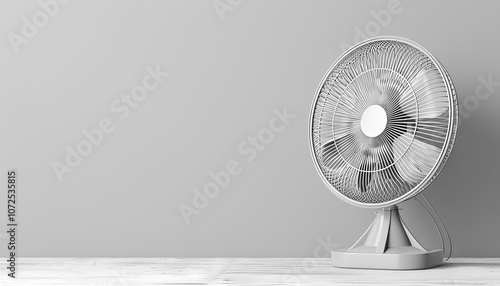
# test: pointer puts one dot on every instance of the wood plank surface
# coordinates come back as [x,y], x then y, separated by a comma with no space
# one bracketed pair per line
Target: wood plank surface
[239,271]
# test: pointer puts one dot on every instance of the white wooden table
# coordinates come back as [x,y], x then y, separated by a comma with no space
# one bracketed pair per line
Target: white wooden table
[239,271]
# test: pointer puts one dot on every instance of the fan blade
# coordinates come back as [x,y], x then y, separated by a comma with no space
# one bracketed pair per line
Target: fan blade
[431,93]
[417,161]
[330,151]
[432,131]
[406,103]
[364,178]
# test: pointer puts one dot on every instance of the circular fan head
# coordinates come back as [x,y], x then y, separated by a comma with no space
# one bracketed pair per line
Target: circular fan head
[383,122]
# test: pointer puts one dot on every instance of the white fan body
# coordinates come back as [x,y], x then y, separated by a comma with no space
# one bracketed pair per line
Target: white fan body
[382,125]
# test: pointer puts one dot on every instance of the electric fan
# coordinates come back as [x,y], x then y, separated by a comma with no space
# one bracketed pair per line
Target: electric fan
[382,125]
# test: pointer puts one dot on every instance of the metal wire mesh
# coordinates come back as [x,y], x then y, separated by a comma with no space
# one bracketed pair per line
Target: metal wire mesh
[420,110]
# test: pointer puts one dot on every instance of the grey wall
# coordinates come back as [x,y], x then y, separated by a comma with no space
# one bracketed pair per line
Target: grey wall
[226,76]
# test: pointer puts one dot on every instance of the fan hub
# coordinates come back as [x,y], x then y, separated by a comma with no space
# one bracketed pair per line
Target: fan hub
[374,120]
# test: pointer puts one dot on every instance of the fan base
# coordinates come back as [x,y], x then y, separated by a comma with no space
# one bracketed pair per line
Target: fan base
[387,244]
[404,258]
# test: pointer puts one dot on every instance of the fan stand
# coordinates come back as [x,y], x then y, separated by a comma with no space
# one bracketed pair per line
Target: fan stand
[387,244]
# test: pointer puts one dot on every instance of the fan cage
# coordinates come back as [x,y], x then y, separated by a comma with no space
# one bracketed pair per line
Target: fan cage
[373,182]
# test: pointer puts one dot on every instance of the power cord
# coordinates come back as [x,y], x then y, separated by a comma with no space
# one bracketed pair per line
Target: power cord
[435,223]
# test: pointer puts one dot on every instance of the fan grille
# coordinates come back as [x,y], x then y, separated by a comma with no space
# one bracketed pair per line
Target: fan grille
[410,87]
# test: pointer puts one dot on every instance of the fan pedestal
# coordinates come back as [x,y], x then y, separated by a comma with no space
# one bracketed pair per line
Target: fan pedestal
[387,244]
